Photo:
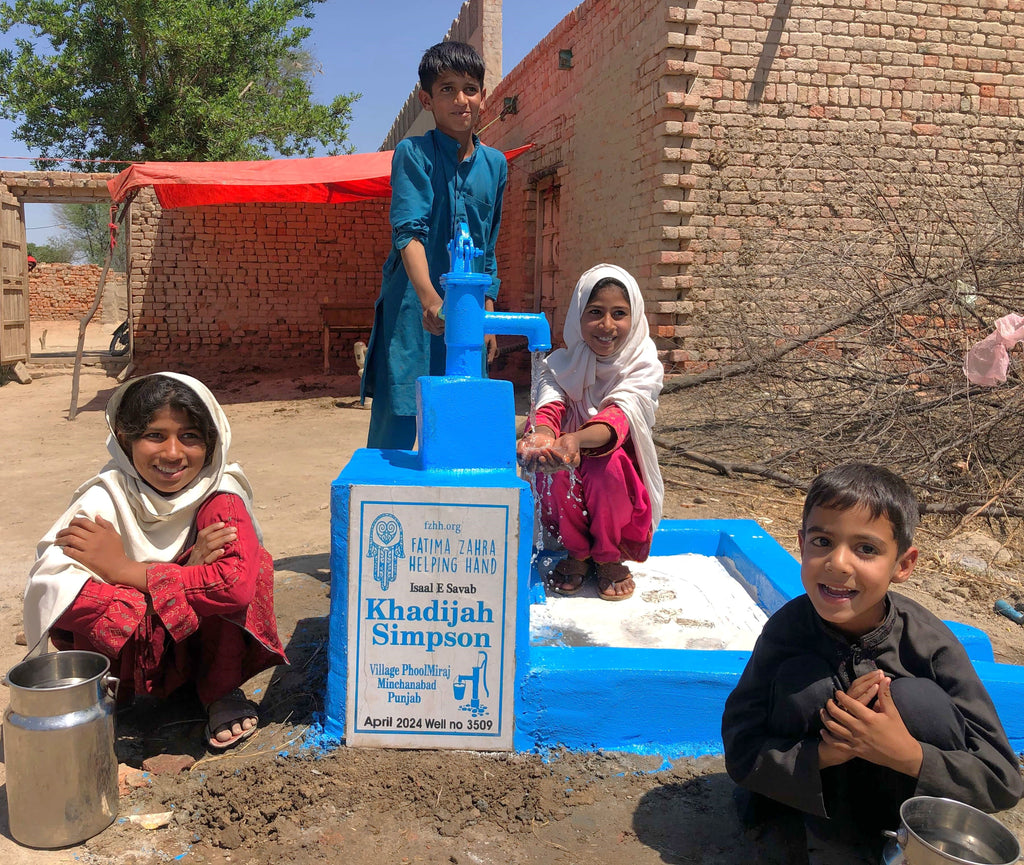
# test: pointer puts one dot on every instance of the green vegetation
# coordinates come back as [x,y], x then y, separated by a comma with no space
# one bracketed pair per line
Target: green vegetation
[179,80]
[50,252]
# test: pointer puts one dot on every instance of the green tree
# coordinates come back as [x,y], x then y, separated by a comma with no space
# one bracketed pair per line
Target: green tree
[85,230]
[51,252]
[178,80]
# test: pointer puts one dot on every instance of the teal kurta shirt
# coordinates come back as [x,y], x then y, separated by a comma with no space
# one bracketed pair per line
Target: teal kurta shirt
[431,192]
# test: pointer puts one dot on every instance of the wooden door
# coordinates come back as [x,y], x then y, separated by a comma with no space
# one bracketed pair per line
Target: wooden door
[548,237]
[14,321]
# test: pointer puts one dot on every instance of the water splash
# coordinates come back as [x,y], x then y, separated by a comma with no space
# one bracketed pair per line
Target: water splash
[576,490]
[536,369]
[538,480]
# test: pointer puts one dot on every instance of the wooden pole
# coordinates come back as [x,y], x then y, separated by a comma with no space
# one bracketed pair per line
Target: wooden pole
[84,321]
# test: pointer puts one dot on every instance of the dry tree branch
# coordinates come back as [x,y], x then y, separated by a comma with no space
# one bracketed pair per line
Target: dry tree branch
[780,352]
[881,379]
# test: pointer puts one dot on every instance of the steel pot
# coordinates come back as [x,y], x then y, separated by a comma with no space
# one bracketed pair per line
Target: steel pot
[59,748]
[937,831]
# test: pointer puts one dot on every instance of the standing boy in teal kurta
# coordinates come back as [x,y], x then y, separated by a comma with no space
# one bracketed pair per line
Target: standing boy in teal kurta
[437,180]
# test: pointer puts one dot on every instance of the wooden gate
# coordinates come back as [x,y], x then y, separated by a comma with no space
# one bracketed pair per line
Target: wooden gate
[14,322]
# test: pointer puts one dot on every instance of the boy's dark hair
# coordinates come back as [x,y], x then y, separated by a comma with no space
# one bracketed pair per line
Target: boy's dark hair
[147,396]
[881,491]
[450,57]
[604,282]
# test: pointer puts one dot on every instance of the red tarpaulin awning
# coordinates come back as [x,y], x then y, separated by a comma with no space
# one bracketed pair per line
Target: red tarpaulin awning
[322,180]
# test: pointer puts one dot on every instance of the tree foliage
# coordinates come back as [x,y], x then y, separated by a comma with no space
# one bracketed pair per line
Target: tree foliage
[85,231]
[49,253]
[179,80]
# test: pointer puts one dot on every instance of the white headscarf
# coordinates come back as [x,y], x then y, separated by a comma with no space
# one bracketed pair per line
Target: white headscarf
[153,527]
[631,378]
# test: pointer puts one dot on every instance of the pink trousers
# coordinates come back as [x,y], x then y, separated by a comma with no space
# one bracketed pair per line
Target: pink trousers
[599,511]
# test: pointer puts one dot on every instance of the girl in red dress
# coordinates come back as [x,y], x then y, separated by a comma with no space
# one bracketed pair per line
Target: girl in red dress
[158,562]
[592,437]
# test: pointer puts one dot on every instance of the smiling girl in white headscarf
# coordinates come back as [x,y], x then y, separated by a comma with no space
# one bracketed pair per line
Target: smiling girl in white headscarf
[595,411]
[158,562]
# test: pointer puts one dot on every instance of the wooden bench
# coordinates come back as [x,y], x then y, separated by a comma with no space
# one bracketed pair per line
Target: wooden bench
[345,317]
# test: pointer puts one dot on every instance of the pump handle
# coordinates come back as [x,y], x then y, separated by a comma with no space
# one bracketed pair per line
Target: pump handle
[462,250]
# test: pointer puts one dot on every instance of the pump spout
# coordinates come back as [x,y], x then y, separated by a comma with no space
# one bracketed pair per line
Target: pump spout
[533,325]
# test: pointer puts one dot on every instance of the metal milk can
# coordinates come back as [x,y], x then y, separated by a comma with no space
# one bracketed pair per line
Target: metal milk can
[59,748]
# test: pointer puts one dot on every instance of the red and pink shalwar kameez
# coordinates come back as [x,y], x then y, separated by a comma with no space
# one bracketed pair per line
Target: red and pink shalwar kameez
[602,510]
[211,624]
[607,509]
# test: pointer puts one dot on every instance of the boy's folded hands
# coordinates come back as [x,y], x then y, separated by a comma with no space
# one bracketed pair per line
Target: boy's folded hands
[865,688]
[864,722]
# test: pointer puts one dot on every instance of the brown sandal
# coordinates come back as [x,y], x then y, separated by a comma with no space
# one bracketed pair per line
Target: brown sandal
[571,572]
[610,574]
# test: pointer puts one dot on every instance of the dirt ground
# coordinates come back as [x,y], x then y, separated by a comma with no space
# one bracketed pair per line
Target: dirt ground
[275,800]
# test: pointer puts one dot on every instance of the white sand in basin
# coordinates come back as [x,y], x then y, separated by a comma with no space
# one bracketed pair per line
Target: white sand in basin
[686,601]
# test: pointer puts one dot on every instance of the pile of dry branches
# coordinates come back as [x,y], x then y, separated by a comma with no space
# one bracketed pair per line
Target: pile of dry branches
[872,367]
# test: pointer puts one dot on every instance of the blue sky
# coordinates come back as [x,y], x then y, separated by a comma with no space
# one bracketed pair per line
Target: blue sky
[369,48]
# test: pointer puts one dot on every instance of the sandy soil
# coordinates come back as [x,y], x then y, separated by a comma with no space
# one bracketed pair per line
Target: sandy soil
[274,801]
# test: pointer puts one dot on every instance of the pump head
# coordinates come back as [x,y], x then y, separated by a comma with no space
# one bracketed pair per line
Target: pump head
[462,251]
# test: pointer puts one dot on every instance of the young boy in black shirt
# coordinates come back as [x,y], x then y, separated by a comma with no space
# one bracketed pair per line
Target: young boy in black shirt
[856,698]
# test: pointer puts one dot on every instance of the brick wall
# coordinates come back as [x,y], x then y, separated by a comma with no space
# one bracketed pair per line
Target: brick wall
[712,147]
[61,292]
[811,114]
[608,132]
[235,287]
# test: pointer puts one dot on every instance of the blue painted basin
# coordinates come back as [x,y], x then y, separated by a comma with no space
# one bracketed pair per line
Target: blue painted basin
[670,701]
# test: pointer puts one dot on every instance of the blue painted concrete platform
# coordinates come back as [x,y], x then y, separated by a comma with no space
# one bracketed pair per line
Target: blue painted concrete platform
[670,701]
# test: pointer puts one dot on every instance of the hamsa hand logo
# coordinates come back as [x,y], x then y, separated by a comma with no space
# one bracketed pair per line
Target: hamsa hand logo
[386,547]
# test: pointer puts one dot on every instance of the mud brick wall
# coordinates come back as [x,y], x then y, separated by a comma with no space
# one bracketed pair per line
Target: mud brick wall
[235,287]
[61,292]
[748,160]
[606,180]
[811,114]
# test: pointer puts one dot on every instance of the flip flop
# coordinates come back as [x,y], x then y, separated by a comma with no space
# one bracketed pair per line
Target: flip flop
[611,574]
[567,571]
[223,713]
